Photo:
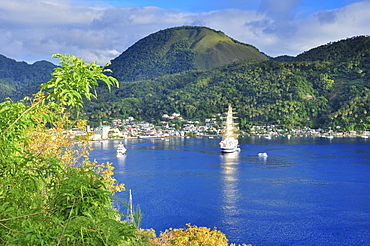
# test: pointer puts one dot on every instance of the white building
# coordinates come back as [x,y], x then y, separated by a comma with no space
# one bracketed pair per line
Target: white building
[101,132]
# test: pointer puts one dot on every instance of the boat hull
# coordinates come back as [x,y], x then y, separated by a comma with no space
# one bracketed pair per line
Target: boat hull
[229,149]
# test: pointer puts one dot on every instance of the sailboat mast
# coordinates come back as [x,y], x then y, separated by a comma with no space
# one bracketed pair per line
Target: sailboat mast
[230,129]
[131,213]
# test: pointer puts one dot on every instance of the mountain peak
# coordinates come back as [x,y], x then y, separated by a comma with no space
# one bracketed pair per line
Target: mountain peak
[179,49]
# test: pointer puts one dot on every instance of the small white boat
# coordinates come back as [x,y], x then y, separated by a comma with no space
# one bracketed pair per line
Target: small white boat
[121,150]
[262,154]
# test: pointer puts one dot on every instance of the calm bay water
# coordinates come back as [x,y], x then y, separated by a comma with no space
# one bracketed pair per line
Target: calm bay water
[308,191]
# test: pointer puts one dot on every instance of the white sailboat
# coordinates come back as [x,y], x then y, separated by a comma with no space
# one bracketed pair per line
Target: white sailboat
[230,143]
[121,150]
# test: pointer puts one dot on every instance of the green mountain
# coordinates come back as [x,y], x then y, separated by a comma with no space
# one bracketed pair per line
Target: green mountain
[334,92]
[19,79]
[354,48]
[180,49]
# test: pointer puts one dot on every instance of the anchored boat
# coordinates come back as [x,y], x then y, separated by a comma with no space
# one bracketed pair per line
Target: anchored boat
[230,143]
[121,150]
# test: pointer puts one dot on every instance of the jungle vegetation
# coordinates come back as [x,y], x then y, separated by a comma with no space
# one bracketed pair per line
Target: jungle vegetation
[197,72]
[325,87]
[19,79]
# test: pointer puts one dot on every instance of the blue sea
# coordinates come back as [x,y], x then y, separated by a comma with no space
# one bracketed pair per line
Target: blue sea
[308,191]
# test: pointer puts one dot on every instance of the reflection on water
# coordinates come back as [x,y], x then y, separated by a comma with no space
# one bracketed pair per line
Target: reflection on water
[121,160]
[262,158]
[230,190]
[104,144]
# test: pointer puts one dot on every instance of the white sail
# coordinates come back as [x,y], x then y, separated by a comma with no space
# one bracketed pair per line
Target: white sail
[229,141]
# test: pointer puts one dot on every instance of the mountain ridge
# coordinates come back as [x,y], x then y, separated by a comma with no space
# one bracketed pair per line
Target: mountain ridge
[19,79]
[179,49]
[350,48]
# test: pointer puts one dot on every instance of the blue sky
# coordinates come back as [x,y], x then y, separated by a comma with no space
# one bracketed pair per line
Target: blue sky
[100,30]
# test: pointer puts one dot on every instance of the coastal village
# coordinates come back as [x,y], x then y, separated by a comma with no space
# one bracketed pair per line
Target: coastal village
[131,128]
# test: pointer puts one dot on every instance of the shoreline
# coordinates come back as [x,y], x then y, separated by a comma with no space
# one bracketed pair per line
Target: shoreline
[241,136]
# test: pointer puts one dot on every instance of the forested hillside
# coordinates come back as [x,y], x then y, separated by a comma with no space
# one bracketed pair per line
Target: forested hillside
[179,49]
[303,93]
[19,79]
[197,72]
[355,48]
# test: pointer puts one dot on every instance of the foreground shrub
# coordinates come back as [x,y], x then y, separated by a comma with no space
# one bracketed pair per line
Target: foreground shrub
[191,236]
[50,192]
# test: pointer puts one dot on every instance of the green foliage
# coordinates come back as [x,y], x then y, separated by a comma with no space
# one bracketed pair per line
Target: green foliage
[75,79]
[50,192]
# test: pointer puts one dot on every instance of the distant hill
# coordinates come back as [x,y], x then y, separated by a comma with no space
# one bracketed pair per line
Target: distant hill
[284,58]
[179,49]
[343,50]
[19,79]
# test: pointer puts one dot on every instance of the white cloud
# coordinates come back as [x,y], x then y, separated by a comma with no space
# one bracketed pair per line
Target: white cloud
[34,30]
[331,25]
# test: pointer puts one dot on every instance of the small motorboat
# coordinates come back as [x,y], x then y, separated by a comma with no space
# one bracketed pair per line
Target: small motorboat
[121,150]
[262,154]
